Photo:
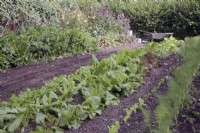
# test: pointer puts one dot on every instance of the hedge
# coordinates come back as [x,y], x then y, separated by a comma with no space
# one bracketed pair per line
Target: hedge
[180,17]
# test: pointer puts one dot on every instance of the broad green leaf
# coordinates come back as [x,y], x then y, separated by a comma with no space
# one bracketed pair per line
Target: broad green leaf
[16,123]
[111,99]
[7,110]
[93,102]
[51,96]
[91,105]
[7,117]
[53,120]
[45,100]
[40,118]
[79,112]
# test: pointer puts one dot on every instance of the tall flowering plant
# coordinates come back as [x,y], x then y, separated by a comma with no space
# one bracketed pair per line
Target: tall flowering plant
[103,22]
[123,22]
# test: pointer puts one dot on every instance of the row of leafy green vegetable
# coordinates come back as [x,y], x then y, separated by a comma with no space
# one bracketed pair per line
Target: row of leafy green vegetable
[100,85]
[45,43]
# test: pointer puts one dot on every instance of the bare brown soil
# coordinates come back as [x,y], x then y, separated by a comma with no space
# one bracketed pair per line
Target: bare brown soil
[33,76]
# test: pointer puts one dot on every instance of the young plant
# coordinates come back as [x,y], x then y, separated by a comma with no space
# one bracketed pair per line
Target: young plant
[114,128]
[133,109]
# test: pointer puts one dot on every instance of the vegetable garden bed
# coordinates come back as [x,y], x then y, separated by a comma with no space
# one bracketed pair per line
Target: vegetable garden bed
[33,76]
[116,113]
[132,88]
[101,85]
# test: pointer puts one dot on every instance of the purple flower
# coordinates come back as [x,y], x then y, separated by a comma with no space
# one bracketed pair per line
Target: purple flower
[97,11]
[121,16]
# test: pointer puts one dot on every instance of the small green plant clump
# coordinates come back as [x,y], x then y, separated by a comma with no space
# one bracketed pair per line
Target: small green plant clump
[133,109]
[114,128]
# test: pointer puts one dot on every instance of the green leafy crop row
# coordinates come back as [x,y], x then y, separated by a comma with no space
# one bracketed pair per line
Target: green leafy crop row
[51,108]
[169,46]
[43,44]
[170,104]
[100,85]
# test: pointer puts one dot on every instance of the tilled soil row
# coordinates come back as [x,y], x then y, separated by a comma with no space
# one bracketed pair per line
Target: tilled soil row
[33,76]
[184,126]
[116,113]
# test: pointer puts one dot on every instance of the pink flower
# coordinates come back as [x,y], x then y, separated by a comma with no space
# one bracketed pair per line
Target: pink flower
[12,27]
[106,11]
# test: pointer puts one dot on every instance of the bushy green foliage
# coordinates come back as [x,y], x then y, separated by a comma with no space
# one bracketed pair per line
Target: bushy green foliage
[167,47]
[22,13]
[103,23]
[170,104]
[180,17]
[43,44]
[96,19]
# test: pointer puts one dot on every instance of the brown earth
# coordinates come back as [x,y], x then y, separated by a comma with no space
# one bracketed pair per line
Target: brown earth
[33,76]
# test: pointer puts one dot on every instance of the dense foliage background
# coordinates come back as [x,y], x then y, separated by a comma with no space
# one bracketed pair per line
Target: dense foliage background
[91,24]
[182,17]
